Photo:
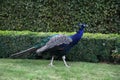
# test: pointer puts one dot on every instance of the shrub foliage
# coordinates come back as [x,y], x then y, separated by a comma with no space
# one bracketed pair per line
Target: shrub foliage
[92,47]
[58,15]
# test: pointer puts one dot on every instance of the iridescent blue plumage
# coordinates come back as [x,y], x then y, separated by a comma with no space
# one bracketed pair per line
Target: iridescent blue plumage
[76,37]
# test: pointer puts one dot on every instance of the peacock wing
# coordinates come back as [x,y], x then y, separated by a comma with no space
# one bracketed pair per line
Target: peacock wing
[58,40]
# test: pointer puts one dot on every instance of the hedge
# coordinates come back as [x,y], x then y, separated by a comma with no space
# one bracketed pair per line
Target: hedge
[92,47]
[58,15]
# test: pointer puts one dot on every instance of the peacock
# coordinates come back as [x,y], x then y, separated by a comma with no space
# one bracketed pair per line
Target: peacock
[57,45]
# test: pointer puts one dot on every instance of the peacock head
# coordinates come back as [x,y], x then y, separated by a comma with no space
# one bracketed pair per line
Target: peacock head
[82,25]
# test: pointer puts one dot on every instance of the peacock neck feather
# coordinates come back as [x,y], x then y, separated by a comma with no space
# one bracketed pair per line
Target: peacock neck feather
[76,37]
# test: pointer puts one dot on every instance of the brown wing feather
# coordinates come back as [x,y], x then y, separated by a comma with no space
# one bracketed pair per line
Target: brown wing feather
[58,40]
[55,41]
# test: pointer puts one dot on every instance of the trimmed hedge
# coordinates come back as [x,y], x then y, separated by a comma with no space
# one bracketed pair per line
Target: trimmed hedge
[92,47]
[58,15]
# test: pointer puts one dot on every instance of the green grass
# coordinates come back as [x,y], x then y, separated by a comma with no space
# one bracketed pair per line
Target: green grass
[23,69]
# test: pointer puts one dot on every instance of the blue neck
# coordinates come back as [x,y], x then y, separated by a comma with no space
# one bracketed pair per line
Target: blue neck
[76,37]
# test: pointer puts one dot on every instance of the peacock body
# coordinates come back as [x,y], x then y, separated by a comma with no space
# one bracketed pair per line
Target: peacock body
[58,44]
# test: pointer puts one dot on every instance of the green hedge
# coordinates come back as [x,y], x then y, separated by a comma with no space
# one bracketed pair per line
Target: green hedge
[58,15]
[92,47]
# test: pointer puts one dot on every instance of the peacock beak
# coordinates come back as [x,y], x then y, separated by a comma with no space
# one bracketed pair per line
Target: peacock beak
[86,25]
[83,25]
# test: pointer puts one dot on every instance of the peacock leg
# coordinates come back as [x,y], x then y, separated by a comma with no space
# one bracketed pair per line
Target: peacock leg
[63,57]
[51,62]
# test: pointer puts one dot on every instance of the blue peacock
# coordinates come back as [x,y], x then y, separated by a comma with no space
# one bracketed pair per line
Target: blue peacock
[57,45]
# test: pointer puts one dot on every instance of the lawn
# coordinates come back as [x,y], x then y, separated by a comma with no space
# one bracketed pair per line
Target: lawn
[24,69]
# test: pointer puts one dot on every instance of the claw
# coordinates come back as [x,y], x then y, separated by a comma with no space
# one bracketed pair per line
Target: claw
[51,65]
[67,66]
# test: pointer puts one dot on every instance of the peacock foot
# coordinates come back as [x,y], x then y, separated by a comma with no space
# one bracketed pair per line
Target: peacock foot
[51,65]
[67,66]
